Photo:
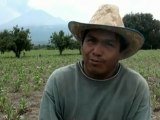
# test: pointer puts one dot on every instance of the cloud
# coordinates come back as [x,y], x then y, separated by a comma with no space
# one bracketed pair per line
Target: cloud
[20,6]
[41,4]
[69,10]
[79,10]
[10,9]
[6,12]
[82,10]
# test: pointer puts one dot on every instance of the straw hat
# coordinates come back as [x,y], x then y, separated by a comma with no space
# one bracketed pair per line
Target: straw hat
[107,17]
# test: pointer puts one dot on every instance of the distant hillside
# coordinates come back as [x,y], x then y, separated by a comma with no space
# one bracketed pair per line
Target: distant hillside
[34,18]
[41,34]
[40,23]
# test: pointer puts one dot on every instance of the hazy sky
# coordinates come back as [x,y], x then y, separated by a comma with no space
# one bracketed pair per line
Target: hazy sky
[80,10]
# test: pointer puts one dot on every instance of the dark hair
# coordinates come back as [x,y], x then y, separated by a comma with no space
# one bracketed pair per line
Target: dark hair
[84,35]
[122,41]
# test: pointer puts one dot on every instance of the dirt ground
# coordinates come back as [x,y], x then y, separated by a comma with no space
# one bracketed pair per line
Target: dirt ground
[32,109]
[156,116]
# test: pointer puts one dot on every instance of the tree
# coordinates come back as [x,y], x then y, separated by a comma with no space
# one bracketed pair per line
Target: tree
[60,40]
[21,40]
[74,44]
[5,37]
[145,24]
[15,40]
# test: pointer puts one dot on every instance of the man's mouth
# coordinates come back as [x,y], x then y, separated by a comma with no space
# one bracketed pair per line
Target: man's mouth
[96,61]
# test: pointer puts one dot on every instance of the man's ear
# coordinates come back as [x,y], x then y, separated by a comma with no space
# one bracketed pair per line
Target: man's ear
[81,44]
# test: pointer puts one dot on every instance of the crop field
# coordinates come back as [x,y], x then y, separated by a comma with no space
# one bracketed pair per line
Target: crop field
[22,80]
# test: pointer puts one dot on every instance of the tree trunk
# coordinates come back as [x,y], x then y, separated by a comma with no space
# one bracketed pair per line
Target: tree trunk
[17,53]
[60,52]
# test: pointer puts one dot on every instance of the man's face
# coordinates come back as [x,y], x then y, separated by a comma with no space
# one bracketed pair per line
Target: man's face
[100,51]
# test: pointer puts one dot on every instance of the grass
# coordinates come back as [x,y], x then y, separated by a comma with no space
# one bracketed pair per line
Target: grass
[22,80]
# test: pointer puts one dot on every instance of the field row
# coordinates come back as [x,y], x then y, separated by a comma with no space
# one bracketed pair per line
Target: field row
[22,80]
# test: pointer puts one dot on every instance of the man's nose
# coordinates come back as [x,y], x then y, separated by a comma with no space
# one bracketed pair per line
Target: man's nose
[98,50]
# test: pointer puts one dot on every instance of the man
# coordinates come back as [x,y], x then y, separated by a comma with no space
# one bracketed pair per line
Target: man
[99,87]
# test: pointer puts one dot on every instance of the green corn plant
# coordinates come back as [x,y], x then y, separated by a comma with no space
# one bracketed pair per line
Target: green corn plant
[17,85]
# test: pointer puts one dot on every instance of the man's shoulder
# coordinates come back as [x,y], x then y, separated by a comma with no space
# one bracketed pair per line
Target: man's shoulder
[64,72]
[66,69]
[133,75]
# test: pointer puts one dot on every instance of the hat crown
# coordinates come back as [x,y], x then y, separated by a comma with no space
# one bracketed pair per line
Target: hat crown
[107,15]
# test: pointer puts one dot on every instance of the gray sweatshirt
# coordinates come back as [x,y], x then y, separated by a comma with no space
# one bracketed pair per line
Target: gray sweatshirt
[71,95]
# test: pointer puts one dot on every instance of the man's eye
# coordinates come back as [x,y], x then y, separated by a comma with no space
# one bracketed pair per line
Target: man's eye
[90,40]
[109,43]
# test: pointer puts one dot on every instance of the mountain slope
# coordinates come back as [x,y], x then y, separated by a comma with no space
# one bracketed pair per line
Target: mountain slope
[40,24]
[41,34]
[34,18]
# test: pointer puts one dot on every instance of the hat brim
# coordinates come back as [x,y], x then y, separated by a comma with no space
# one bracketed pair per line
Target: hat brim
[133,38]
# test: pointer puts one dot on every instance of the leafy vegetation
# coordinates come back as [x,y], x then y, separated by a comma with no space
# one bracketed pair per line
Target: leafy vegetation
[22,80]
[149,27]
[60,40]
[15,40]
[19,39]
